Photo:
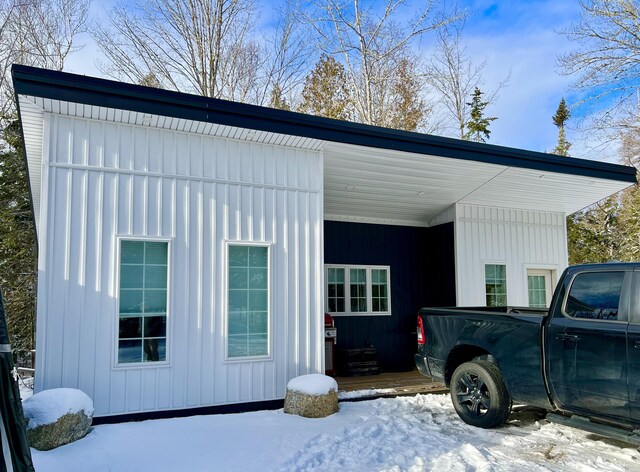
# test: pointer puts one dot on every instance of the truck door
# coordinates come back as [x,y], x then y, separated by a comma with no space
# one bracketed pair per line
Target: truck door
[586,344]
[633,348]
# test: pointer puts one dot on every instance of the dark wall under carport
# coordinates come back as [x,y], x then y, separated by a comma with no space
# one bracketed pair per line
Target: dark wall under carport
[422,265]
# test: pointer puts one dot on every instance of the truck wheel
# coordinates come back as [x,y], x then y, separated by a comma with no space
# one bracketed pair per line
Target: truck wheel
[479,394]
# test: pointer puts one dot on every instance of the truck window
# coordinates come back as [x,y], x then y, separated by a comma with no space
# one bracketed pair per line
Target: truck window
[595,296]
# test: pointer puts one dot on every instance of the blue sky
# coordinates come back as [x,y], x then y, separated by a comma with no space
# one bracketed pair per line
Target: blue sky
[520,38]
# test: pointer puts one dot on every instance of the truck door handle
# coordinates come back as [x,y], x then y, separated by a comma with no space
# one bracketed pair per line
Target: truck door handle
[637,344]
[569,337]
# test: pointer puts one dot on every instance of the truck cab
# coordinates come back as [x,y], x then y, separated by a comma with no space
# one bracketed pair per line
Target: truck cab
[592,342]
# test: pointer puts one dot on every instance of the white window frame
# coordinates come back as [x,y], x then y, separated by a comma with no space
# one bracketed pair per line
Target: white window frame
[347,292]
[116,327]
[484,280]
[225,288]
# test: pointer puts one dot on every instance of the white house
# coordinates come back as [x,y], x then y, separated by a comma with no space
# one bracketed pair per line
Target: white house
[189,247]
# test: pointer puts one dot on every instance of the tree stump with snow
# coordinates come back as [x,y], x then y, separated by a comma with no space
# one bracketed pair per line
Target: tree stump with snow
[56,417]
[311,396]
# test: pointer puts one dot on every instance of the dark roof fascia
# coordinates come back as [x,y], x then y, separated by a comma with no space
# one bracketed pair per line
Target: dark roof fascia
[26,166]
[111,94]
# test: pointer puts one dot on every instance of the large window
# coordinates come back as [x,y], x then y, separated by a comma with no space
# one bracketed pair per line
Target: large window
[248,301]
[495,283]
[358,290]
[142,314]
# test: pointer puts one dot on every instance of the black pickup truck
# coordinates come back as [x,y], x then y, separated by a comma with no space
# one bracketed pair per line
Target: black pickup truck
[580,359]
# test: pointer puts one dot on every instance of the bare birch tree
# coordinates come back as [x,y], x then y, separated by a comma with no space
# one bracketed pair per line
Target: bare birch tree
[287,55]
[197,46]
[607,62]
[39,33]
[454,76]
[372,44]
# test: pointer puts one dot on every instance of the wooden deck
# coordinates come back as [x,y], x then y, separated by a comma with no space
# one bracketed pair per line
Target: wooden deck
[389,384]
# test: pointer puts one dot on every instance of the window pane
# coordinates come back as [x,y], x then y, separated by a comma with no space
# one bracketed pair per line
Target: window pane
[155,253]
[237,323]
[258,278]
[248,300]
[155,301]
[258,256]
[258,323]
[257,300]
[155,326]
[595,295]
[238,256]
[130,327]
[131,276]
[130,351]
[155,277]
[131,301]
[238,300]
[336,275]
[132,252]
[155,350]
[237,345]
[238,278]
[258,345]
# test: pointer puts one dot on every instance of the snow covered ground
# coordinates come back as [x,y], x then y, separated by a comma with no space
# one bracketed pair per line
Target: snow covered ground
[394,434]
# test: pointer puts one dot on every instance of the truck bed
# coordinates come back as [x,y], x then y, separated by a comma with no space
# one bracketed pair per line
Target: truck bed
[511,335]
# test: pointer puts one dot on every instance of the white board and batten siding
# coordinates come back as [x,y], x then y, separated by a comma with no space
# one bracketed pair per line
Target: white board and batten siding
[519,239]
[103,181]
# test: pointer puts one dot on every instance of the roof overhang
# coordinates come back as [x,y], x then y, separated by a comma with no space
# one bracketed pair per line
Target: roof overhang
[371,173]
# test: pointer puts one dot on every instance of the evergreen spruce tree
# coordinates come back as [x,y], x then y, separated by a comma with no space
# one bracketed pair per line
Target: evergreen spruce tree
[559,119]
[18,251]
[278,100]
[478,124]
[325,91]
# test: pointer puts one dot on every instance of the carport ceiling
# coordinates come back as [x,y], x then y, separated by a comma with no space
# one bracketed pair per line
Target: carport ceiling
[408,188]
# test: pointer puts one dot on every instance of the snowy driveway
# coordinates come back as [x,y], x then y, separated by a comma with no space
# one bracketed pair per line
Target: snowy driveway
[407,433]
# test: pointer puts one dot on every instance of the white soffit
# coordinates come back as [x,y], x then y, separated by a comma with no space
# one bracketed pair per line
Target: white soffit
[166,122]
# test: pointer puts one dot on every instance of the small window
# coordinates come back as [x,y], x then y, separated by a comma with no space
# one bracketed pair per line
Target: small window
[537,291]
[360,290]
[495,276]
[595,296]
[379,287]
[248,301]
[358,284]
[335,290]
[142,314]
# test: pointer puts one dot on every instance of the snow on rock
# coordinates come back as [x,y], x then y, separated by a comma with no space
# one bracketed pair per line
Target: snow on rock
[311,396]
[313,384]
[49,406]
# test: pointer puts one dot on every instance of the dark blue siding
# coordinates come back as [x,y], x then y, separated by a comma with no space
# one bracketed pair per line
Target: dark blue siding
[422,274]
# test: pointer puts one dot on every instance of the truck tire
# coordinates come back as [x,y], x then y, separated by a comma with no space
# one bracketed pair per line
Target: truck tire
[479,395]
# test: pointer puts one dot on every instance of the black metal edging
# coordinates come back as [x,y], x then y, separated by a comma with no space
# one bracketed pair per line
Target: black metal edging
[111,94]
[185,412]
